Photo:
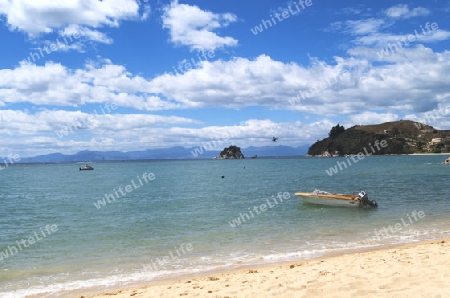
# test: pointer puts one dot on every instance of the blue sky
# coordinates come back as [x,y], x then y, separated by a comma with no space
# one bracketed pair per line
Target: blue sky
[132,75]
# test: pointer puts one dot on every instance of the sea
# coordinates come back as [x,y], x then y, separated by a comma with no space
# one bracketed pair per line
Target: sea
[65,232]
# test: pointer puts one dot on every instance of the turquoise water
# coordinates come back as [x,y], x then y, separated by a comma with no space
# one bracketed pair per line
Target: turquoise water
[179,222]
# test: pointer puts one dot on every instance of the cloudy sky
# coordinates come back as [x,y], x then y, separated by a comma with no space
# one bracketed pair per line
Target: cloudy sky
[131,75]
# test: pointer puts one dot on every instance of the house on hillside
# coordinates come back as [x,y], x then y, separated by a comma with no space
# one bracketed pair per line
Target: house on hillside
[435,141]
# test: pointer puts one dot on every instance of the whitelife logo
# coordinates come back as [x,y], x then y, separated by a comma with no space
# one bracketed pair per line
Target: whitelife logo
[121,192]
[13,249]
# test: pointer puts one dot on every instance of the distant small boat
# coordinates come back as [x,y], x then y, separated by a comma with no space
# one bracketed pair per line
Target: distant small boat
[254,156]
[447,161]
[86,168]
[339,200]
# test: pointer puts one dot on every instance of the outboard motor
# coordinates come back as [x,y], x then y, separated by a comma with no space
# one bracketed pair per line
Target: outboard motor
[364,200]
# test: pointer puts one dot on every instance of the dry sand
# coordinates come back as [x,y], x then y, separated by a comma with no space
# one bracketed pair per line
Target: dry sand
[414,270]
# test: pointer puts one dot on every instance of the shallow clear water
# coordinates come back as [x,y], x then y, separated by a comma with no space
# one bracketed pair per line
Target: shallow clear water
[179,223]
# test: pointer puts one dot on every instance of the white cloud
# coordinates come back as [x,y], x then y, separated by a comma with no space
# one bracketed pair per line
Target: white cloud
[350,11]
[434,36]
[361,27]
[146,11]
[437,117]
[54,84]
[59,46]
[400,72]
[83,17]
[139,132]
[370,31]
[403,11]
[368,117]
[384,39]
[190,26]
[67,131]
[79,31]
[344,87]
[102,120]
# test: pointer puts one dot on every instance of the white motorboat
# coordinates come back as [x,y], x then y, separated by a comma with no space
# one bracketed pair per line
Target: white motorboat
[338,200]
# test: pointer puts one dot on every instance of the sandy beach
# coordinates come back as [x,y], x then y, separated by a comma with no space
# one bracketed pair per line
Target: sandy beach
[413,270]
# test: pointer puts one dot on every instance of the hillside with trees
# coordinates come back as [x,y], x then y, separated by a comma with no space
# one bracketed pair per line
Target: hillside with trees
[400,137]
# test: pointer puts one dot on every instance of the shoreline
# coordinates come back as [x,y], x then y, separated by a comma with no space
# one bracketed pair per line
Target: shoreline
[446,153]
[387,271]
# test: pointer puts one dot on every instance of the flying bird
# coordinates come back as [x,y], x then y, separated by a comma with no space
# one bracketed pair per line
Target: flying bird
[274,139]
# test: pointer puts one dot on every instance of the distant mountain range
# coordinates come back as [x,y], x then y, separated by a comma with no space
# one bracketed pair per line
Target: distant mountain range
[165,153]
[400,137]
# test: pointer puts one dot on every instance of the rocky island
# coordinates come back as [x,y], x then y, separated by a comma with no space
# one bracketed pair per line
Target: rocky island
[232,152]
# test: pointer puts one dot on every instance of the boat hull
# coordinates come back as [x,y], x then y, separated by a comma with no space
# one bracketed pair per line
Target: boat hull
[86,168]
[329,200]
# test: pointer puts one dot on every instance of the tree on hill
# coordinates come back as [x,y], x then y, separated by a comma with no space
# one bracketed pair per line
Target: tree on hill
[336,131]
